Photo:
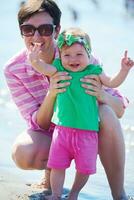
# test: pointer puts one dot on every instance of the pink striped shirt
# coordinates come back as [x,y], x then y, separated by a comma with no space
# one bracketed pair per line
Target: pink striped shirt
[29,88]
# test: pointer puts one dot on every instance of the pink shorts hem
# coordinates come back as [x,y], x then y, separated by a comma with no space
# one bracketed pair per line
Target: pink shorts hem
[53,166]
[87,172]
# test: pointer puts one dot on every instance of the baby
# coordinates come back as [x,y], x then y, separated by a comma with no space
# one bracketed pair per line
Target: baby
[75,112]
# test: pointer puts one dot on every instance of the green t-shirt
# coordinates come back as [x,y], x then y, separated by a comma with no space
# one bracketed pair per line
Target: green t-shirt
[74,108]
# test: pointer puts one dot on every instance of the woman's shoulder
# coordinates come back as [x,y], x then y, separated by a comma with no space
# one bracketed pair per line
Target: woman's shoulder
[18,59]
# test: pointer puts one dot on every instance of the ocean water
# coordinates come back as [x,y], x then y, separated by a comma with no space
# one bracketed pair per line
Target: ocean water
[111,31]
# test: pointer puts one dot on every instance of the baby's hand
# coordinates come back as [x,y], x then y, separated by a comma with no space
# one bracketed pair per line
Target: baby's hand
[34,58]
[39,64]
[33,55]
[126,62]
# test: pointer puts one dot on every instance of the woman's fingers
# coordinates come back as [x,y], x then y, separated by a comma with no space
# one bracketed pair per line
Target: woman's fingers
[94,77]
[61,85]
[91,87]
[92,90]
[92,93]
[60,76]
[94,82]
[55,82]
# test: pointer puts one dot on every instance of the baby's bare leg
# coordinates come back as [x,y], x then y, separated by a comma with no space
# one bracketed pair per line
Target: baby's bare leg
[57,178]
[79,182]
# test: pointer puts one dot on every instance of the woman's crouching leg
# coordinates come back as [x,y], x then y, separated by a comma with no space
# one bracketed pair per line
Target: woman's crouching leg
[112,151]
[30,150]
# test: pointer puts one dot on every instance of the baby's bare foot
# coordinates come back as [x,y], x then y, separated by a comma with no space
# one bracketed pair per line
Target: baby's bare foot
[73,196]
[53,198]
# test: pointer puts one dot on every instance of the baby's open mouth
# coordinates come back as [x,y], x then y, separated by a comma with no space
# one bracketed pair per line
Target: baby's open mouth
[75,65]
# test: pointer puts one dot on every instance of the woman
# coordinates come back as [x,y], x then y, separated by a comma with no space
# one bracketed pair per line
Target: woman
[39,22]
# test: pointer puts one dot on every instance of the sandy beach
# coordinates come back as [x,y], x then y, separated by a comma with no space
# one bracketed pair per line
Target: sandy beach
[12,187]
[110,28]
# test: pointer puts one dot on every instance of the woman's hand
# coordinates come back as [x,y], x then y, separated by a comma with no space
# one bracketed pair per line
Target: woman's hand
[56,86]
[94,88]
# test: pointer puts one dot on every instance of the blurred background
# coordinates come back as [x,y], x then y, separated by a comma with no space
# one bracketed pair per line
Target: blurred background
[110,25]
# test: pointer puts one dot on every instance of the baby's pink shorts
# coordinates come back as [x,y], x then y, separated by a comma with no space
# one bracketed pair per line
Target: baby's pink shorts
[70,143]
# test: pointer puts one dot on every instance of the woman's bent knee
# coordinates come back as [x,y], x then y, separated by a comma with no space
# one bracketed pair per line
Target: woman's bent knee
[22,157]
[30,150]
[108,119]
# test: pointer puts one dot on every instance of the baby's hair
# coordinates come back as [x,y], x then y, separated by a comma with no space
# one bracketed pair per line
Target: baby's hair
[77,32]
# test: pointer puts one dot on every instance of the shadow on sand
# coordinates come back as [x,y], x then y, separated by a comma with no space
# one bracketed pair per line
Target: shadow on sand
[42,195]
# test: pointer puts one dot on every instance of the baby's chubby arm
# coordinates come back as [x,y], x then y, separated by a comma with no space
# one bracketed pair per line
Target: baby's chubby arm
[126,64]
[38,64]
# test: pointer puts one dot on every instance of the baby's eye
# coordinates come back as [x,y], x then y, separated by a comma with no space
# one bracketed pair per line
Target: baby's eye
[79,54]
[66,55]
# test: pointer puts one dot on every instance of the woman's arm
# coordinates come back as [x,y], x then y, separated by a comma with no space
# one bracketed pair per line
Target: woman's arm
[103,96]
[45,111]
[38,117]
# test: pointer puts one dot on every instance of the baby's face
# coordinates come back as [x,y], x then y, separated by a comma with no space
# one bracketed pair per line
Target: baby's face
[74,58]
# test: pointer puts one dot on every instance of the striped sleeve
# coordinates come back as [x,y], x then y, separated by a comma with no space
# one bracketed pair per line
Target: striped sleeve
[25,102]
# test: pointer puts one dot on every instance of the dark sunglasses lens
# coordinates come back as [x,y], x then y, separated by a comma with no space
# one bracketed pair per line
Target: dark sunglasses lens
[45,29]
[27,30]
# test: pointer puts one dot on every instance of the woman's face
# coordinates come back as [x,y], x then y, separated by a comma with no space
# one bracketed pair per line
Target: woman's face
[46,43]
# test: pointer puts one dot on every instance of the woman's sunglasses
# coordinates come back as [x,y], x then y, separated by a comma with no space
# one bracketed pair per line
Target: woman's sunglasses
[28,30]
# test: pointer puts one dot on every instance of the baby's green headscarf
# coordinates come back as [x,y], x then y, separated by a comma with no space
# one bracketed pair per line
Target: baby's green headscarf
[69,39]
